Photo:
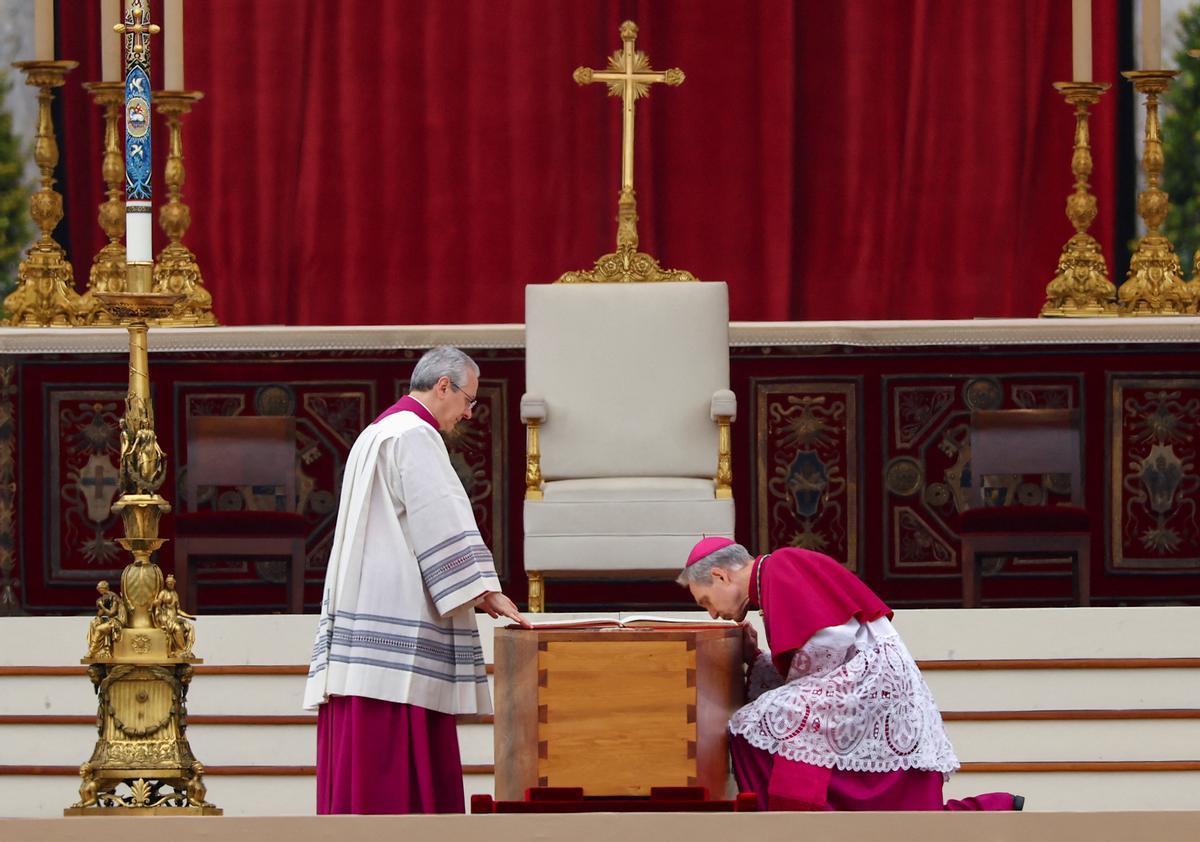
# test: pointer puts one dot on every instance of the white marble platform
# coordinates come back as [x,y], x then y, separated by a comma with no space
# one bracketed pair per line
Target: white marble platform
[854,334]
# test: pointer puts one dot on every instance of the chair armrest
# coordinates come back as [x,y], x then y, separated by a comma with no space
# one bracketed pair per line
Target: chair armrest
[724,405]
[533,408]
[723,410]
[533,413]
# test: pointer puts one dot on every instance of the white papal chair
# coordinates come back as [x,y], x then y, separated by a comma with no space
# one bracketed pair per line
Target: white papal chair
[628,411]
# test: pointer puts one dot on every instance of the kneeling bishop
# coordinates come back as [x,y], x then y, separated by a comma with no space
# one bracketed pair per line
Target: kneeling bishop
[840,717]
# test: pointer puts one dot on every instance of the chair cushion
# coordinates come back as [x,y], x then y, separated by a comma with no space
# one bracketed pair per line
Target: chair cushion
[628,489]
[606,535]
[1024,519]
[228,524]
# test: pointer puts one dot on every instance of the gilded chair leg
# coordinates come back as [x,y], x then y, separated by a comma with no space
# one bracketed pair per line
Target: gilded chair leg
[537,593]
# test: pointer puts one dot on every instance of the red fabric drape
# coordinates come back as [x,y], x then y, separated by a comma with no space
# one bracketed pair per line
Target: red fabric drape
[416,162]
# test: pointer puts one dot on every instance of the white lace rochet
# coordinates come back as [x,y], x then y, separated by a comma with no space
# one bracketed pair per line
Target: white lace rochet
[854,700]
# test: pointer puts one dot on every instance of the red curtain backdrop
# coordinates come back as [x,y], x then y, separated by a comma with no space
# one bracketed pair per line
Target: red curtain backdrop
[413,162]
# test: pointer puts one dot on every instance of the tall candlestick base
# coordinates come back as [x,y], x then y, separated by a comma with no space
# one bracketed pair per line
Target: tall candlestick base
[1081,286]
[140,643]
[108,266]
[176,269]
[45,295]
[1154,285]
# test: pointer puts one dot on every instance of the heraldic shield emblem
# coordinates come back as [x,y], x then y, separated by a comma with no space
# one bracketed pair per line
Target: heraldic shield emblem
[98,480]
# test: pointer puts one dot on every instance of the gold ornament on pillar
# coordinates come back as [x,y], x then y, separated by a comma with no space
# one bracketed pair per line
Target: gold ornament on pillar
[108,266]
[45,293]
[628,76]
[1154,285]
[176,269]
[1081,286]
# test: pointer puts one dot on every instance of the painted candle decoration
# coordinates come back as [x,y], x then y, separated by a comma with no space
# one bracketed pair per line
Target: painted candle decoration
[138,212]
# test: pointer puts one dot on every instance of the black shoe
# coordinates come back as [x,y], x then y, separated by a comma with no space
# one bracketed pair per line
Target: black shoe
[1018,802]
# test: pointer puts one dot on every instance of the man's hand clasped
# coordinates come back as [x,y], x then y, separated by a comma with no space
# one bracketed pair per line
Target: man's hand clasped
[750,650]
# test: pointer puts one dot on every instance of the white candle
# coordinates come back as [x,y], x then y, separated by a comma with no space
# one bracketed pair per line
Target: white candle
[43,30]
[172,45]
[139,233]
[110,42]
[1151,35]
[1081,40]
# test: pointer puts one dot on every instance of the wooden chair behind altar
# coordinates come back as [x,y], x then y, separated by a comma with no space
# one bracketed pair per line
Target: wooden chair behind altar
[240,452]
[1010,443]
[628,411]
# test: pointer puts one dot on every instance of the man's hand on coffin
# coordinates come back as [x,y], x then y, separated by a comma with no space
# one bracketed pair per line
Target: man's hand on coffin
[497,604]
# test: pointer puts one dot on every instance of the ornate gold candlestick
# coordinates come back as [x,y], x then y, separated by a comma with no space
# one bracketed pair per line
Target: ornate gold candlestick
[176,269]
[140,643]
[629,76]
[1081,286]
[108,266]
[1154,285]
[45,293]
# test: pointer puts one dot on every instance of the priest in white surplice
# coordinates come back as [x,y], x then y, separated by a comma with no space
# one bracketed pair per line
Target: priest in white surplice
[397,652]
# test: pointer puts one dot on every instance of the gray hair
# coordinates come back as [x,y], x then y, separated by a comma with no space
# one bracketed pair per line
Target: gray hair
[439,362]
[732,557]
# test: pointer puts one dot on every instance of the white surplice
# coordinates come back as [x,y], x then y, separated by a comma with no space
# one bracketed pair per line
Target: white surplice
[407,562]
[853,699]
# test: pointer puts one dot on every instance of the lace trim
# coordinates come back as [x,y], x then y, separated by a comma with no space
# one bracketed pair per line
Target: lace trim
[819,657]
[874,713]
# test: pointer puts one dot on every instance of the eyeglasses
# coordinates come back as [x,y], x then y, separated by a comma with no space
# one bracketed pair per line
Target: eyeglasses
[471,399]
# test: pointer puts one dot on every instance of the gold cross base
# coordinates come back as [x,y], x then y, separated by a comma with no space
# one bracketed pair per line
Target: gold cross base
[625,265]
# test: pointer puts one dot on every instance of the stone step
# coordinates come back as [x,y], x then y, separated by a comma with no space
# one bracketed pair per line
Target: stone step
[214,745]
[1072,758]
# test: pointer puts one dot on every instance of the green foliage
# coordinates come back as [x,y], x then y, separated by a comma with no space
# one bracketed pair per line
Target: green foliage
[1181,144]
[15,224]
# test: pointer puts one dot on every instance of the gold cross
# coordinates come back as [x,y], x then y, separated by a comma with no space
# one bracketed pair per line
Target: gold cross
[628,76]
[140,15]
